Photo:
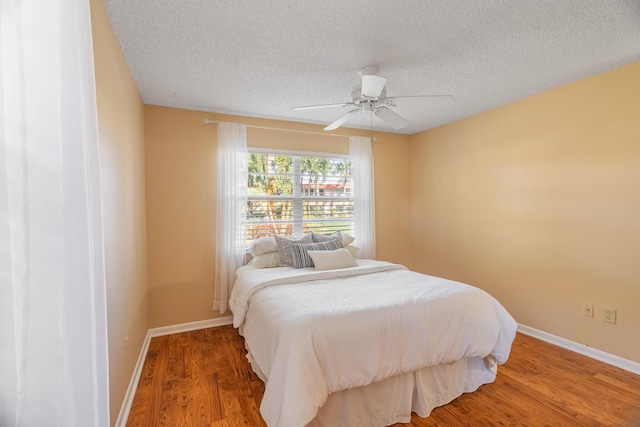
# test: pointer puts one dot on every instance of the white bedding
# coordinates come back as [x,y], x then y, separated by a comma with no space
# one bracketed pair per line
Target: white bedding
[310,334]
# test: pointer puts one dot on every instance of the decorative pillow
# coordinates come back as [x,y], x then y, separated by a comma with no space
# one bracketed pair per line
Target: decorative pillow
[268,260]
[328,260]
[301,258]
[284,248]
[345,238]
[263,245]
[317,237]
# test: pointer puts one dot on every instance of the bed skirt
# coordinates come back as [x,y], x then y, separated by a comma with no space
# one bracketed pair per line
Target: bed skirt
[393,400]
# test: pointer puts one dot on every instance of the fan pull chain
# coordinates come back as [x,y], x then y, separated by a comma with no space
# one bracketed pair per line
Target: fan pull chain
[371,129]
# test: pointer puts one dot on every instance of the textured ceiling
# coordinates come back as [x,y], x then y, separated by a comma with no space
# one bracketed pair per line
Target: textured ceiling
[260,58]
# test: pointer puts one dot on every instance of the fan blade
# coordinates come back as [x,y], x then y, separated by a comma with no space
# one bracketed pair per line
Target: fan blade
[313,107]
[342,120]
[433,100]
[372,85]
[391,118]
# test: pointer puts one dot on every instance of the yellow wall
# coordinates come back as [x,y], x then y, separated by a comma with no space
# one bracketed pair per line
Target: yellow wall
[538,202]
[181,201]
[121,133]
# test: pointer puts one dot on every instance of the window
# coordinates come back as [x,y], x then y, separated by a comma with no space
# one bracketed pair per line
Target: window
[293,194]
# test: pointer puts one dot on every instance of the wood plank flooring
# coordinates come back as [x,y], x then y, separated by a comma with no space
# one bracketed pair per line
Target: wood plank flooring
[202,378]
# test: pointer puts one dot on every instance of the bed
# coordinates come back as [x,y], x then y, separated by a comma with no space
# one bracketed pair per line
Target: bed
[365,345]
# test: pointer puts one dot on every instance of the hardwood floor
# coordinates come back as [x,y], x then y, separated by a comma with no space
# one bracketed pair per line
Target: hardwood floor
[202,378]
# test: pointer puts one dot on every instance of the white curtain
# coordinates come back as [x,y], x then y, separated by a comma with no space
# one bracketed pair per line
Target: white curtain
[53,342]
[363,195]
[231,209]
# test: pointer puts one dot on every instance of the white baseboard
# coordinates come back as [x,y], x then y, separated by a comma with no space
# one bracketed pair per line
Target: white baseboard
[133,383]
[585,350]
[157,332]
[191,326]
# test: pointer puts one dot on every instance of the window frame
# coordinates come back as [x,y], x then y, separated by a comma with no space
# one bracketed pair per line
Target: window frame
[297,198]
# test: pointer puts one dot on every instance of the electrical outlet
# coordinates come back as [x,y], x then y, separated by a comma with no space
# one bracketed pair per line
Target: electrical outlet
[126,346]
[609,315]
[587,309]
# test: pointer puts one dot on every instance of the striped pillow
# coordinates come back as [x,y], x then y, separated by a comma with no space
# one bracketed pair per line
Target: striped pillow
[345,239]
[318,238]
[284,248]
[301,258]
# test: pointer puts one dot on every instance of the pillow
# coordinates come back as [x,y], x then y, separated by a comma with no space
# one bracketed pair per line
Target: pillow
[284,248]
[345,238]
[317,237]
[301,258]
[263,245]
[268,260]
[328,260]
[353,250]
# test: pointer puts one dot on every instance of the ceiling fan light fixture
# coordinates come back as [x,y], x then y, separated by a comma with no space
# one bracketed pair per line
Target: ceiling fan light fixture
[368,106]
[372,86]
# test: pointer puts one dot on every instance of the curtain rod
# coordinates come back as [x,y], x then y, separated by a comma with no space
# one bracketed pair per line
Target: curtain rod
[208,122]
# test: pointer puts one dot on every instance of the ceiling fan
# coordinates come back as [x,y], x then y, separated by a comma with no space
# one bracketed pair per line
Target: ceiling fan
[371,96]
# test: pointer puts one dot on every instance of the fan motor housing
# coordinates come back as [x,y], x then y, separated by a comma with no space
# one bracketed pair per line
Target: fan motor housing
[356,95]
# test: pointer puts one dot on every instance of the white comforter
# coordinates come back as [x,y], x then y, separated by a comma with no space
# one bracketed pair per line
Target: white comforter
[312,333]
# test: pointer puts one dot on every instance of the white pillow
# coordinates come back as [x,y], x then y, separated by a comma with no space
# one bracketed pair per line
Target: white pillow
[263,245]
[328,260]
[268,260]
[353,250]
[347,239]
